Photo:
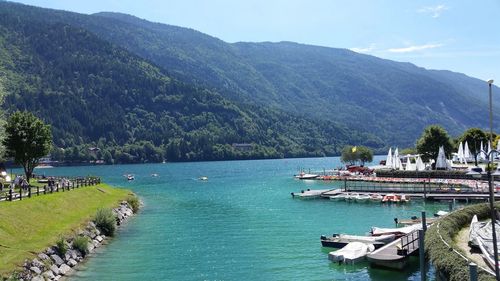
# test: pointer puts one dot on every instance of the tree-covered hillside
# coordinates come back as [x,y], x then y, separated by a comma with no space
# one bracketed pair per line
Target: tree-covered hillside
[97,94]
[393,100]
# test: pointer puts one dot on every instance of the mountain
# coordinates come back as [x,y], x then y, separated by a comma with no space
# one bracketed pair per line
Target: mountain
[96,93]
[393,100]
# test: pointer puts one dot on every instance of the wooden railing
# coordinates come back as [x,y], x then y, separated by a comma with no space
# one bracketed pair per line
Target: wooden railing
[53,185]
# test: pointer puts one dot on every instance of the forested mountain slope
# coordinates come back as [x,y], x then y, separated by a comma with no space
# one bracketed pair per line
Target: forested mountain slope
[96,93]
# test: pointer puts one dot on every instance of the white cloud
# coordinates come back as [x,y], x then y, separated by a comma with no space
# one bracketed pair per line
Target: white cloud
[434,11]
[416,48]
[363,50]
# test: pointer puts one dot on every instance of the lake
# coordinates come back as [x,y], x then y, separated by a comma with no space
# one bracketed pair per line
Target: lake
[241,224]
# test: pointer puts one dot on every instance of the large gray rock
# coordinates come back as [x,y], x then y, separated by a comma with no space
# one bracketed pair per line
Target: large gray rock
[99,238]
[96,243]
[55,269]
[91,247]
[72,262]
[49,275]
[57,260]
[36,270]
[43,256]
[38,278]
[50,251]
[37,263]
[64,269]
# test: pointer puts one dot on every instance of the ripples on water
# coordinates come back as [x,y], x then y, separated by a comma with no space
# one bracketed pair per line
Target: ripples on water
[241,224]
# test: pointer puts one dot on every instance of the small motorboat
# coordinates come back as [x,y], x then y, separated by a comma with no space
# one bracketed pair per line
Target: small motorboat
[441,214]
[304,176]
[341,240]
[351,196]
[338,197]
[154,175]
[376,197]
[362,198]
[351,253]
[130,177]
[401,231]
[403,198]
[389,198]
[203,178]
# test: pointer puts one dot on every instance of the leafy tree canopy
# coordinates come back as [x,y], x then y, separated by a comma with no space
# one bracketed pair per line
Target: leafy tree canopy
[27,140]
[353,154]
[432,138]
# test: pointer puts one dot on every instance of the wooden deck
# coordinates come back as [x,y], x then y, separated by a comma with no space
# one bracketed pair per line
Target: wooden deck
[396,254]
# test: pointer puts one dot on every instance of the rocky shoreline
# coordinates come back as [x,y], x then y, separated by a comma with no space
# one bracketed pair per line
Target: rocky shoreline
[49,265]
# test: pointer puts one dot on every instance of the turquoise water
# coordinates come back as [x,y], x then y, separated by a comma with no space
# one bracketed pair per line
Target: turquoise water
[241,224]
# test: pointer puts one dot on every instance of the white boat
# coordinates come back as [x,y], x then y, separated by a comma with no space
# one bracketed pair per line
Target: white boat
[129,177]
[443,213]
[351,253]
[475,225]
[203,178]
[376,231]
[339,197]
[341,240]
[304,176]
[376,197]
[362,198]
[487,250]
[351,196]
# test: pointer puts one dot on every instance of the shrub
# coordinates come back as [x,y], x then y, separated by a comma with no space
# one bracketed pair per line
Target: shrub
[448,264]
[61,246]
[80,243]
[105,220]
[133,201]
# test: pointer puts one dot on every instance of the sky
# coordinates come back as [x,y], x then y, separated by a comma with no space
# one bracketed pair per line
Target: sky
[461,35]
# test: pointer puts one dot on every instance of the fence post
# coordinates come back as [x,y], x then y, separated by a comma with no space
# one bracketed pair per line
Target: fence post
[37,191]
[20,193]
[57,187]
[29,191]
[473,271]
[10,194]
[421,252]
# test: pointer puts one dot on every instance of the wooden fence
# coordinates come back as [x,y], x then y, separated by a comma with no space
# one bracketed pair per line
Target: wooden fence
[53,185]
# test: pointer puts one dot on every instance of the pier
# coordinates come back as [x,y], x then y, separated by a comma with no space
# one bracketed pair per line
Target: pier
[396,254]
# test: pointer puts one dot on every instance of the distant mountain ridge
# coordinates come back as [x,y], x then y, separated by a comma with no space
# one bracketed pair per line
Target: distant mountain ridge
[361,91]
[96,93]
[361,98]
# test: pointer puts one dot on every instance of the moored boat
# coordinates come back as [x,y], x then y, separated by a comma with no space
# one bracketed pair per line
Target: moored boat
[341,240]
[304,176]
[351,253]
[376,197]
[377,231]
[362,198]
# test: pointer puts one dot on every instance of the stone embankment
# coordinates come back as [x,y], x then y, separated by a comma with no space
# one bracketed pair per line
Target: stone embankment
[50,265]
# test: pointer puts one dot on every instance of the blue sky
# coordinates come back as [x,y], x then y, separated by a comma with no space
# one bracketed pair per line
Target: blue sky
[462,36]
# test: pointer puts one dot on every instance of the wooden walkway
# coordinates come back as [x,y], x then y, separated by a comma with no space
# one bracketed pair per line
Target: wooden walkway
[396,254]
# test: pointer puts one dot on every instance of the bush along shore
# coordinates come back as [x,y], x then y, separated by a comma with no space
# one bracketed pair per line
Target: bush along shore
[60,260]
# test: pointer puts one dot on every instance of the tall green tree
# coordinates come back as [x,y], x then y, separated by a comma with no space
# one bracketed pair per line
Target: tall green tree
[365,154]
[474,137]
[432,138]
[353,154]
[27,140]
[349,155]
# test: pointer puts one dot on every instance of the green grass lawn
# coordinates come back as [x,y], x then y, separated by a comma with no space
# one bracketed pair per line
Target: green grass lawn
[31,225]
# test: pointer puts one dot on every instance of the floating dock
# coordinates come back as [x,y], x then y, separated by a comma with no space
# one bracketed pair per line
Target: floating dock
[396,254]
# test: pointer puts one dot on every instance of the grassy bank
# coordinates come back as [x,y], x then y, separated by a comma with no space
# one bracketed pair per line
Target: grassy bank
[31,225]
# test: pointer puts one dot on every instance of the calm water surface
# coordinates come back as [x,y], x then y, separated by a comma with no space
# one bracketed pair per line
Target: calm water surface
[241,224]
